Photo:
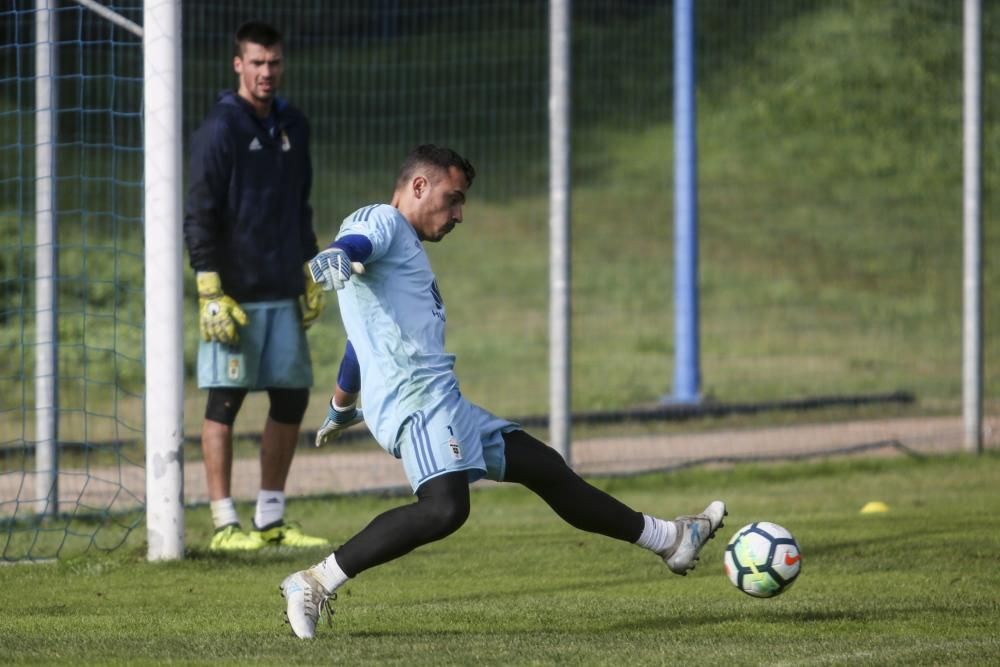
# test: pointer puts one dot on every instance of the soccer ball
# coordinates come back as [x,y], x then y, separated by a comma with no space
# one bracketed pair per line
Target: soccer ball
[762,559]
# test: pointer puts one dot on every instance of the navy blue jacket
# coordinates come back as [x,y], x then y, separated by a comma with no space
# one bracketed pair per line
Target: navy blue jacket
[248,215]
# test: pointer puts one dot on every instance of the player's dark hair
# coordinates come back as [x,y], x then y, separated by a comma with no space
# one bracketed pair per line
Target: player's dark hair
[255,32]
[437,156]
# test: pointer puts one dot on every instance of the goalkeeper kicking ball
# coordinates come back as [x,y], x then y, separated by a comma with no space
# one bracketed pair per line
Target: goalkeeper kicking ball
[762,559]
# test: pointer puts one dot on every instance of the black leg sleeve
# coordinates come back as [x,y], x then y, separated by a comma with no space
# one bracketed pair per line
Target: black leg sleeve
[541,469]
[442,507]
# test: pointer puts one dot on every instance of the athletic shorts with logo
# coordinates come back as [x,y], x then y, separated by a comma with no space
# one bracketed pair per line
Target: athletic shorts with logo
[452,435]
[272,351]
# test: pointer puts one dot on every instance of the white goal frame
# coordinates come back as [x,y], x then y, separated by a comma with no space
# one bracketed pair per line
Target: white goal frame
[163,180]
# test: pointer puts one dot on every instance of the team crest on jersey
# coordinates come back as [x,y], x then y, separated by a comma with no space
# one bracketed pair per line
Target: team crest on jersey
[456,449]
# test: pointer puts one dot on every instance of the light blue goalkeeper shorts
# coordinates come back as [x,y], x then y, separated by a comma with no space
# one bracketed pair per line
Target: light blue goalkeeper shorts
[272,351]
[450,436]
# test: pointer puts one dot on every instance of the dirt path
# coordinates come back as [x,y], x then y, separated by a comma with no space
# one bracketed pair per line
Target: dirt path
[343,472]
[350,471]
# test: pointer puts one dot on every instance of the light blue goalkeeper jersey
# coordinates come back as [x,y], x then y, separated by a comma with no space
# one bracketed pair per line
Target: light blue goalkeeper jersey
[395,318]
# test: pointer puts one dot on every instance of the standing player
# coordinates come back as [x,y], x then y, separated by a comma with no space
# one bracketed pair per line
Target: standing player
[248,228]
[395,319]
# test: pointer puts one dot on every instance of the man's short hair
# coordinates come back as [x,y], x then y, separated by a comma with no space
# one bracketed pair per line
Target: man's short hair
[255,32]
[437,156]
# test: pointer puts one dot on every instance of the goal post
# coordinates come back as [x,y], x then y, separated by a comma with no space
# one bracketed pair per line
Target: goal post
[46,333]
[163,265]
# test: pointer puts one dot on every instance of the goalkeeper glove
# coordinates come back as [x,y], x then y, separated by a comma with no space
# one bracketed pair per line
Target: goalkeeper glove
[219,314]
[312,300]
[332,268]
[337,419]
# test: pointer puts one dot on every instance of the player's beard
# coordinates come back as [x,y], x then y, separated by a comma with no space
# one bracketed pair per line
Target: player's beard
[443,231]
[265,95]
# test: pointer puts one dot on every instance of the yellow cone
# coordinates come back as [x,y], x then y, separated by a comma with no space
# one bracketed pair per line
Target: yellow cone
[874,507]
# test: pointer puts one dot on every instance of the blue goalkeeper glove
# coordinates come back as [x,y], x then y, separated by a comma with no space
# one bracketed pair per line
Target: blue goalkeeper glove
[332,268]
[337,419]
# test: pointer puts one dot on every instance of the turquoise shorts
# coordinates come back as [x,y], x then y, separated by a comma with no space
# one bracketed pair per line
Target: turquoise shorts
[450,436]
[272,351]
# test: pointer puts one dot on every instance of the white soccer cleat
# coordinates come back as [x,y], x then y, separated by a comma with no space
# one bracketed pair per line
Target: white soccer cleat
[306,600]
[692,534]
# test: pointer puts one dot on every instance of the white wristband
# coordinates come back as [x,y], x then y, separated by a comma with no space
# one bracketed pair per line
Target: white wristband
[344,409]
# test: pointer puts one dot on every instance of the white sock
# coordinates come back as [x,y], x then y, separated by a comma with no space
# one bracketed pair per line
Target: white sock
[224,513]
[329,574]
[658,535]
[270,508]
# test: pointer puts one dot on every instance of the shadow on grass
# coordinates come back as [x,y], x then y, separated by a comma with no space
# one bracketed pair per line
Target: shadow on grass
[898,539]
[266,556]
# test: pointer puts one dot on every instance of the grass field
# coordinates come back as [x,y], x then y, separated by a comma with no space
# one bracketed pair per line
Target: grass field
[917,585]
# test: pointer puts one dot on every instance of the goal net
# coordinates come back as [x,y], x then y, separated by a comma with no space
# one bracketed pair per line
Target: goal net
[71,281]
[829,177]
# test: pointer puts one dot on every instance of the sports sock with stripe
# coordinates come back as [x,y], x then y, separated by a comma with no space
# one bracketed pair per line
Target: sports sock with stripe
[270,508]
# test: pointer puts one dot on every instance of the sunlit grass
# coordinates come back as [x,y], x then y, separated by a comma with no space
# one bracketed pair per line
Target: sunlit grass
[517,586]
